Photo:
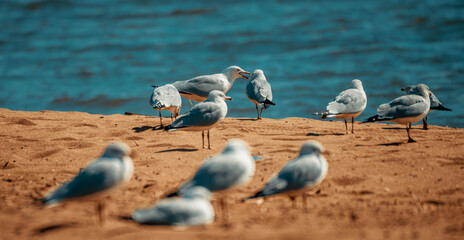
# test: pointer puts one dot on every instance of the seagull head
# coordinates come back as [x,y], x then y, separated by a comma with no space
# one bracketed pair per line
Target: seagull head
[197,192]
[217,95]
[117,149]
[234,72]
[356,83]
[237,145]
[423,90]
[311,147]
[410,89]
[257,73]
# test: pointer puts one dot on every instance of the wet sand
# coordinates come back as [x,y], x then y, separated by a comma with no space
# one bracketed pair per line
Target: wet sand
[378,186]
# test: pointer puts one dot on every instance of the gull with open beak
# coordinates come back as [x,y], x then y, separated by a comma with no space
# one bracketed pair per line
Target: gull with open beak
[198,88]
[203,116]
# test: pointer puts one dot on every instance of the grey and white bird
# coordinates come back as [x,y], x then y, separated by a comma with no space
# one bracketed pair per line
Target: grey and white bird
[258,91]
[192,209]
[166,98]
[349,104]
[299,174]
[107,172]
[405,109]
[198,88]
[203,116]
[435,104]
[225,171]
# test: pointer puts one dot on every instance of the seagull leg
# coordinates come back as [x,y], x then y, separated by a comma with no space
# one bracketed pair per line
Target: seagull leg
[293,201]
[409,137]
[190,101]
[303,197]
[346,127]
[100,209]
[203,139]
[257,111]
[161,119]
[425,124]
[352,125]
[261,112]
[225,213]
[172,120]
[209,144]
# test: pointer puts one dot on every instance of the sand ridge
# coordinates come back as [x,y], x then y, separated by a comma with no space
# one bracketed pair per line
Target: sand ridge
[377,187]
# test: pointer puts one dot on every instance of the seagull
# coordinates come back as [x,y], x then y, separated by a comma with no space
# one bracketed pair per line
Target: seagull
[194,208]
[305,171]
[166,98]
[405,109]
[198,88]
[232,168]
[435,104]
[203,116]
[259,92]
[112,169]
[349,104]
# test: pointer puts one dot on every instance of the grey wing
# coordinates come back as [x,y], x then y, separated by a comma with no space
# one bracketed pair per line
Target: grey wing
[97,177]
[295,175]
[348,101]
[170,212]
[217,174]
[202,114]
[404,106]
[201,85]
[165,96]
[434,102]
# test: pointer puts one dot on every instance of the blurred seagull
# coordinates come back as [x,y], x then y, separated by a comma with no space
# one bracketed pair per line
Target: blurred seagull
[166,98]
[299,174]
[435,104]
[405,109]
[232,168]
[349,104]
[194,208]
[203,116]
[259,92]
[198,88]
[112,169]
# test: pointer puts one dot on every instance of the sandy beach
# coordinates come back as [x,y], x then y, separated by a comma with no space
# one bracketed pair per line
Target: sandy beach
[377,187]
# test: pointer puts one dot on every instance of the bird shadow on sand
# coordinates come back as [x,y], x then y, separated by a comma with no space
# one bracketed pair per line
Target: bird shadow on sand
[54,227]
[179,150]
[145,128]
[324,134]
[381,144]
[398,128]
[248,119]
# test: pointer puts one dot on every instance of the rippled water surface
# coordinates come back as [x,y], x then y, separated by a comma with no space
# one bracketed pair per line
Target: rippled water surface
[102,56]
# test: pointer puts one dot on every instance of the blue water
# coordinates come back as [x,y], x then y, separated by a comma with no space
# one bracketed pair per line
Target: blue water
[102,56]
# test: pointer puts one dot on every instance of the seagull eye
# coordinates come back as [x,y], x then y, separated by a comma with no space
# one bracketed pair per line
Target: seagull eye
[238,69]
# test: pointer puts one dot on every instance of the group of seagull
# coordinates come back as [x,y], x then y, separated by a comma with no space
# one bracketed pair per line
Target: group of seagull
[190,204]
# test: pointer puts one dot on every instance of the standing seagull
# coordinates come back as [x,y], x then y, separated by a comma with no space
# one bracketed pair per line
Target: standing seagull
[198,88]
[299,174]
[435,104]
[405,109]
[166,98]
[194,208]
[233,167]
[347,105]
[259,92]
[112,169]
[203,116]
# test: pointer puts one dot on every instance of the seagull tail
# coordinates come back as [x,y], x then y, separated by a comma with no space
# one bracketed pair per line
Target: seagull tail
[267,101]
[372,119]
[441,107]
[155,86]
[257,195]
[325,114]
[184,92]
[173,194]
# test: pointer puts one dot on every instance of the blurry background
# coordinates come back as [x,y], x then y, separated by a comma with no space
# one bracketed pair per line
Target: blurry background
[103,56]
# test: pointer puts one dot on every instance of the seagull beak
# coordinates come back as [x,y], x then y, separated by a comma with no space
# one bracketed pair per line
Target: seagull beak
[245,72]
[228,98]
